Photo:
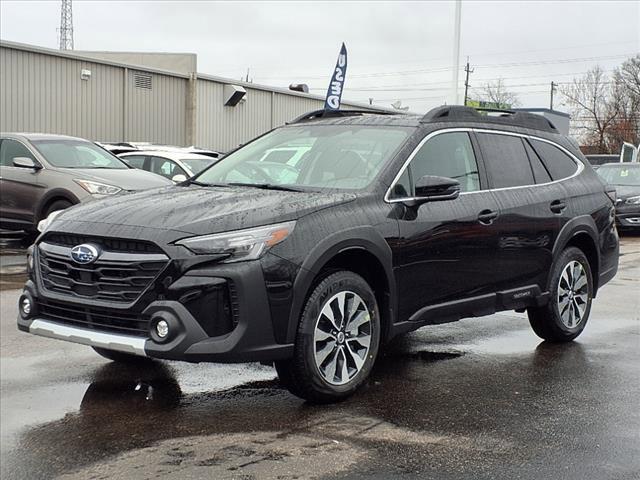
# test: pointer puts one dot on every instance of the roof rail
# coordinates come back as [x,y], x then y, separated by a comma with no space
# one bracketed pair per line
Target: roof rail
[336,113]
[458,113]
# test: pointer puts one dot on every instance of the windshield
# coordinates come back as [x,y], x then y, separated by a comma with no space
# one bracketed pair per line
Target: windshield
[76,154]
[326,156]
[620,175]
[196,165]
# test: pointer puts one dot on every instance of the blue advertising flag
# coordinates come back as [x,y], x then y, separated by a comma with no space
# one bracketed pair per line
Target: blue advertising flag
[334,93]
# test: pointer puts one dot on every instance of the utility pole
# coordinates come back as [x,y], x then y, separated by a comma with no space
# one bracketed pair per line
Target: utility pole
[553,89]
[466,82]
[66,26]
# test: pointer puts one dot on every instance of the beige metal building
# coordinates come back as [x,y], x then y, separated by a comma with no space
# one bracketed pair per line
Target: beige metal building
[144,97]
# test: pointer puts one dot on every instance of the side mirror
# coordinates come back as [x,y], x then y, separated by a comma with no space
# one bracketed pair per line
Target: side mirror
[25,162]
[179,178]
[434,189]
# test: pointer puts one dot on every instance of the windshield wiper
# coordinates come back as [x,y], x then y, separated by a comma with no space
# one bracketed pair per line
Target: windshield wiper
[202,184]
[266,186]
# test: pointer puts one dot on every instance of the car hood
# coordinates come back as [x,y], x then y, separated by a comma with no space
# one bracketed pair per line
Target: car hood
[130,179]
[201,210]
[625,191]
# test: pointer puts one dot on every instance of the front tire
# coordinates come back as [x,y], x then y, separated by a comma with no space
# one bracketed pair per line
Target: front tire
[571,292]
[337,340]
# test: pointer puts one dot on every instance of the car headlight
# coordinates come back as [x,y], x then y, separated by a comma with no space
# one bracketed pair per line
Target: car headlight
[45,223]
[633,200]
[97,188]
[241,245]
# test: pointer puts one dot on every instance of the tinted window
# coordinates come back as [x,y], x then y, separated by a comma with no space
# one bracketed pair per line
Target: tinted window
[447,155]
[540,173]
[402,188]
[506,160]
[559,164]
[10,149]
[136,161]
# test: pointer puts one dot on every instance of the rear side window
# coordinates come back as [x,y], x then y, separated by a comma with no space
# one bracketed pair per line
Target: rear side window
[539,170]
[506,160]
[136,161]
[559,164]
[10,149]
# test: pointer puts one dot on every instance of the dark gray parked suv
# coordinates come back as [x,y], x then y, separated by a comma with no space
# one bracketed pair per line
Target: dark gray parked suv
[40,174]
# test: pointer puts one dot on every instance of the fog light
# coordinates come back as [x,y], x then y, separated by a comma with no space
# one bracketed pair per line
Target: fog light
[162,328]
[25,305]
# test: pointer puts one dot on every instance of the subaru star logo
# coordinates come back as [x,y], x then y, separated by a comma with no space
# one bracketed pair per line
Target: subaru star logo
[85,253]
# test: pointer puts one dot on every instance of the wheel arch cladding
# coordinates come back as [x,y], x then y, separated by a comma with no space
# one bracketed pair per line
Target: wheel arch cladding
[53,196]
[360,250]
[581,232]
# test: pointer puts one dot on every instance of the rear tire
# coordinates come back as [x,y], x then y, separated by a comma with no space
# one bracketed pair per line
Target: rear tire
[570,287]
[120,357]
[337,340]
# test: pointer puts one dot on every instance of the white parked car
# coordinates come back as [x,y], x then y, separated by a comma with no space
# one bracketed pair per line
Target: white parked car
[172,148]
[174,165]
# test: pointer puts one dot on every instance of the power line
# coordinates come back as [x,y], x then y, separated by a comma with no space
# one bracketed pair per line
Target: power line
[446,82]
[447,68]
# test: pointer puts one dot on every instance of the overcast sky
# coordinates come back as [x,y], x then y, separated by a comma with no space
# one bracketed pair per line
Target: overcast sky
[397,50]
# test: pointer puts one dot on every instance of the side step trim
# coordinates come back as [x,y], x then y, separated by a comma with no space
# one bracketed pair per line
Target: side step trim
[121,343]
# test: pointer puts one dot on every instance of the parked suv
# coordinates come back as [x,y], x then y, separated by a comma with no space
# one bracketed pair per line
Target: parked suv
[395,222]
[41,174]
[625,178]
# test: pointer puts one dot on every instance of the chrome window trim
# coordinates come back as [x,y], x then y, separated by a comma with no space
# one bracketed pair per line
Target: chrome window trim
[579,164]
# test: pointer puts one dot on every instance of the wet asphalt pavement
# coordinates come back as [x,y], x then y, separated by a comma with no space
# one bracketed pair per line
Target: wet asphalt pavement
[477,399]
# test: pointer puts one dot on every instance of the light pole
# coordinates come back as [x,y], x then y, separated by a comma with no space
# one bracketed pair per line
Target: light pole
[456,53]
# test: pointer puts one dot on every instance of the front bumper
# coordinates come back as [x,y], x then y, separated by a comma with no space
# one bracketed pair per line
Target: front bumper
[627,216]
[171,298]
[628,220]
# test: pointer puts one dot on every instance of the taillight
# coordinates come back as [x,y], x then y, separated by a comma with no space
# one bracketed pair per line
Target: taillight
[611,193]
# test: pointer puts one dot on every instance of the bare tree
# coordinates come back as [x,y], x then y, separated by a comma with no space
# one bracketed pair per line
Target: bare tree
[594,113]
[625,100]
[496,92]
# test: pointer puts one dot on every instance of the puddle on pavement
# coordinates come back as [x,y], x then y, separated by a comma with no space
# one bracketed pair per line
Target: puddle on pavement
[426,356]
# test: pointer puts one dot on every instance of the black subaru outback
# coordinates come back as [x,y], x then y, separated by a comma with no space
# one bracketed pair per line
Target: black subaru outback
[367,227]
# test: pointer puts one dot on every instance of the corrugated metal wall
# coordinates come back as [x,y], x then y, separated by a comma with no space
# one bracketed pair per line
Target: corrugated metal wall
[41,90]
[156,114]
[43,93]
[286,107]
[224,128]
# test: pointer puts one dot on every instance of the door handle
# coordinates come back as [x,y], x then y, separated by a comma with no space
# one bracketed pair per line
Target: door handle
[557,206]
[486,217]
